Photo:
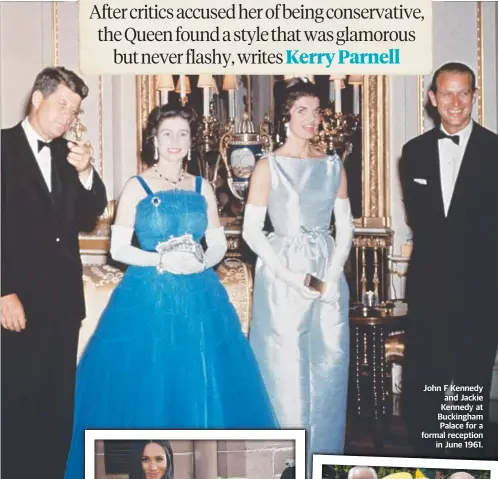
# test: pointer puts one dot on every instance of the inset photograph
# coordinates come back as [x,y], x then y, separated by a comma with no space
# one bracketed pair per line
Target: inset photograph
[355,467]
[194,454]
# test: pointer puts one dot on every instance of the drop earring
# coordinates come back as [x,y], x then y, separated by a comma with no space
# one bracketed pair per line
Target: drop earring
[189,155]
[156,153]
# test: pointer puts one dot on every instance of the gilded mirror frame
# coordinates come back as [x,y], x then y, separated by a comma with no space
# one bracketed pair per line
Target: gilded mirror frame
[376,211]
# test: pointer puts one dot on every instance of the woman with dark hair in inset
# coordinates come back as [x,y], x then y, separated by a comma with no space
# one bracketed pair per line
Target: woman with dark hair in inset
[151,460]
[169,351]
[301,336]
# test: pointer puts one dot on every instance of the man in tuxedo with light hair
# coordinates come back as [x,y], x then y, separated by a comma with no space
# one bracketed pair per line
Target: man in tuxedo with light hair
[449,177]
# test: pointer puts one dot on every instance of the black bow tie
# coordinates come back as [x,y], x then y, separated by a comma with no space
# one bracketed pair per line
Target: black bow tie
[42,144]
[454,138]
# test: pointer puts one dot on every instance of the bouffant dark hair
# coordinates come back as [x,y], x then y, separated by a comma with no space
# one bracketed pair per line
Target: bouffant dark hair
[157,116]
[296,88]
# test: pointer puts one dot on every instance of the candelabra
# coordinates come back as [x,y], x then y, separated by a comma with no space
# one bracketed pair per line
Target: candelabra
[336,131]
[210,131]
[266,133]
[337,127]
[183,88]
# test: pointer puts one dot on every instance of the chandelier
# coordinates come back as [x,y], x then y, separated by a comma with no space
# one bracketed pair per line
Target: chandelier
[337,128]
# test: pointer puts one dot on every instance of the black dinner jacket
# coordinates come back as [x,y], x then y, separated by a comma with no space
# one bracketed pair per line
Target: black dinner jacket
[40,250]
[455,257]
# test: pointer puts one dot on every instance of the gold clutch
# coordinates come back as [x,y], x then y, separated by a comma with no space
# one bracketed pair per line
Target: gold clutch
[315,284]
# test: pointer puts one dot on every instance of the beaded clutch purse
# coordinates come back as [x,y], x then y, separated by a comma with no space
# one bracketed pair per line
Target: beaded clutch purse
[183,244]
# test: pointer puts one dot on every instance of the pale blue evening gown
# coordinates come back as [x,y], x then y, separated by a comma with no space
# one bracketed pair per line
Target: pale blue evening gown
[302,345]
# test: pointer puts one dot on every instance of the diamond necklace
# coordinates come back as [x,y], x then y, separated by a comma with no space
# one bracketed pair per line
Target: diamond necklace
[174,183]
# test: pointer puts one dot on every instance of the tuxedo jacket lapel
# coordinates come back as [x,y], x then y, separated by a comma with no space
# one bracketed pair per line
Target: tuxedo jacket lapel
[463,183]
[30,166]
[59,155]
[434,175]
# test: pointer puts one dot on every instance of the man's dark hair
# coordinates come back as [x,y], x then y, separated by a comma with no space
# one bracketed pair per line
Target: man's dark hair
[453,67]
[50,78]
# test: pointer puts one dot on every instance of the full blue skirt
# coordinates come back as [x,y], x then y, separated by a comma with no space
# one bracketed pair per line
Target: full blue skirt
[168,353]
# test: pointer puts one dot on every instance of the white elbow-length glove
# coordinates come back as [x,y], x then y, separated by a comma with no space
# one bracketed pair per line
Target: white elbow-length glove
[252,232]
[216,246]
[171,262]
[343,242]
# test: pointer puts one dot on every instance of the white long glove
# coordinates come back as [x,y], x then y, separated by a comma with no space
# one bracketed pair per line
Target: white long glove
[216,246]
[124,252]
[343,241]
[172,262]
[252,232]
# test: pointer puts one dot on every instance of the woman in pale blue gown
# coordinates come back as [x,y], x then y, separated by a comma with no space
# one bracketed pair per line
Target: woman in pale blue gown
[301,336]
[169,351]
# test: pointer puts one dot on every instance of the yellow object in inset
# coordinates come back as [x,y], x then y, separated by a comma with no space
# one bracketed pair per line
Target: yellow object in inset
[399,475]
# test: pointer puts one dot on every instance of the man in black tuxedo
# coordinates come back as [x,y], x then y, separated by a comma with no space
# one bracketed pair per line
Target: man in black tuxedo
[50,192]
[450,183]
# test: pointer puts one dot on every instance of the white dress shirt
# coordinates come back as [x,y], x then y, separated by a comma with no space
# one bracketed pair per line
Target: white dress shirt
[44,157]
[450,160]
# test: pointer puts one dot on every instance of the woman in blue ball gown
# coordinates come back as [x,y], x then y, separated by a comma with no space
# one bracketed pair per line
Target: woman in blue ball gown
[169,351]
